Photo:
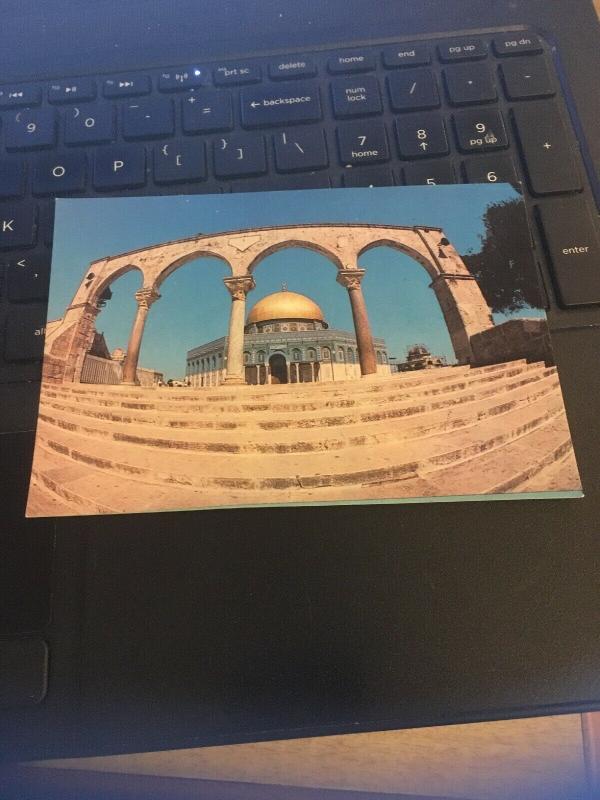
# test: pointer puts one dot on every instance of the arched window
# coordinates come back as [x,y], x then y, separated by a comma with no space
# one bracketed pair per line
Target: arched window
[379,356]
[350,355]
[384,358]
[311,354]
[246,358]
[326,354]
[296,355]
[260,357]
[340,354]
[214,362]
[202,365]
[220,358]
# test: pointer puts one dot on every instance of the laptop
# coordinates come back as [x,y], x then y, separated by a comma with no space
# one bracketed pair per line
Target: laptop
[139,632]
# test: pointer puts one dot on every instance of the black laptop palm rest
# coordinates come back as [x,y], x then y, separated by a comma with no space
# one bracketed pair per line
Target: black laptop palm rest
[481,108]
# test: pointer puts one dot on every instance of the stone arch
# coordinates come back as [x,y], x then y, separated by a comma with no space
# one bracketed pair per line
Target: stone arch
[194,255]
[285,244]
[464,308]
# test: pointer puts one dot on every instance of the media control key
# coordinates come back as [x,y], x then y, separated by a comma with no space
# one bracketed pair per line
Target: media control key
[283,103]
[547,151]
[572,243]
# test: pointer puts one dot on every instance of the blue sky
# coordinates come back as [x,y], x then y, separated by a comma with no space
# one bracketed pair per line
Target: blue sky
[194,306]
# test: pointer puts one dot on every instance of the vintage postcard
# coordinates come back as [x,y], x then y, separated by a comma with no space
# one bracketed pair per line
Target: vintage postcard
[327,346]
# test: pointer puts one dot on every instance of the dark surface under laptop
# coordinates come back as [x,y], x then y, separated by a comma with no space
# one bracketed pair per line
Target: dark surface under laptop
[177,630]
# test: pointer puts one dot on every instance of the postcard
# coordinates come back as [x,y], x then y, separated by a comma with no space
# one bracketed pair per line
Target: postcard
[303,347]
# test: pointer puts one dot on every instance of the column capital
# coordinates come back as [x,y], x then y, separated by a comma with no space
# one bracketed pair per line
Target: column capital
[350,278]
[239,286]
[146,296]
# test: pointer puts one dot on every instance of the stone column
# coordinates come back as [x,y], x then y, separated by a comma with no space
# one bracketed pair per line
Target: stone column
[238,288]
[351,279]
[145,298]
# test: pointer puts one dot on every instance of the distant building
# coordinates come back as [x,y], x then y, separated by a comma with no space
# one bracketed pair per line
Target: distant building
[419,357]
[286,340]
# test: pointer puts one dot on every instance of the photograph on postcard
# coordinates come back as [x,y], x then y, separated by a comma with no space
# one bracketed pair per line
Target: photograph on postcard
[307,347]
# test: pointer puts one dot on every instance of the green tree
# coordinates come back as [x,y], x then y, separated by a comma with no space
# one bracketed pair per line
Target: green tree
[505,267]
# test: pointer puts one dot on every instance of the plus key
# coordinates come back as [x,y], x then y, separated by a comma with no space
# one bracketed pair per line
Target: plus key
[546,150]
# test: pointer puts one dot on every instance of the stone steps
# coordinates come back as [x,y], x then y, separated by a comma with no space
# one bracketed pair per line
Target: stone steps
[348,389]
[87,490]
[391,406]
[409,421]
[288,469]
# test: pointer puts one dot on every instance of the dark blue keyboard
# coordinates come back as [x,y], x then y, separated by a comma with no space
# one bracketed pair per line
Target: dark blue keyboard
[470,109]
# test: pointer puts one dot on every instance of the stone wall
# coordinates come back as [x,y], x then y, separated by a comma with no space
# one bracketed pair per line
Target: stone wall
[518,338]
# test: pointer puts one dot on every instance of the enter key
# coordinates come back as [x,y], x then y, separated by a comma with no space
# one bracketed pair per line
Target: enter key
[572,243]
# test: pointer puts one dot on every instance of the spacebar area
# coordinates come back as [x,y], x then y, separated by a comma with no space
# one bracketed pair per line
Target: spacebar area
[572,243]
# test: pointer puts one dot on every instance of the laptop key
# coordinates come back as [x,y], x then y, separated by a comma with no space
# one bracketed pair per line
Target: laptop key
[363,143]
[17,226]
[12,177]
[25,328]
[17,96]
[283,103]
[300,149]
[406,55]
[72,91]
[207,111]
[277,183]
[354,97]
[237,156]
[179,162]
[368,177]
[412,89]
[480,129]
[573,245]
[89,125]
[148,119]
[525,78]
[127,86]
[547,152]
[119,167]
[28,275]
[469,83]
[512,44]
[237,74]
[292,68]
[421,136]
[30,129]
[462,50]
[59,173]
[490,169]
[352,61]
[180,79]
[430,173]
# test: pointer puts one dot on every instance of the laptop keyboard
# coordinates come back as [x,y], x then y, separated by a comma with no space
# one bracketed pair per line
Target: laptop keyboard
[471,109]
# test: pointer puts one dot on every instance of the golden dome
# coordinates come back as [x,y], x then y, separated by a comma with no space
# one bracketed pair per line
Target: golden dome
[285,305]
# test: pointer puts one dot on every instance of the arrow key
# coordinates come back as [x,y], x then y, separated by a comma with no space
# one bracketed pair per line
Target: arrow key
[421,136]
[28,276]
